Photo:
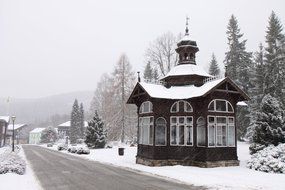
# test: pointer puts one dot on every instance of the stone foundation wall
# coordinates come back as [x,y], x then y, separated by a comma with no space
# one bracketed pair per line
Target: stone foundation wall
[151,162]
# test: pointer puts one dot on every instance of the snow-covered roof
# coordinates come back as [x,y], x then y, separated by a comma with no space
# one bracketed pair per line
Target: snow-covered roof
[67,124]
[187,69]
[37,130]
[179,92]
[16,126]
[242,103]
[5,118]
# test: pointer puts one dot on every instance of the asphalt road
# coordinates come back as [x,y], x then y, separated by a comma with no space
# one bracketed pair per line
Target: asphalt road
[58,171]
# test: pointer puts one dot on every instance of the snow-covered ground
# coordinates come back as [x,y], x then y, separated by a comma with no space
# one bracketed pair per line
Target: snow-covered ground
[216,178]
[12,181]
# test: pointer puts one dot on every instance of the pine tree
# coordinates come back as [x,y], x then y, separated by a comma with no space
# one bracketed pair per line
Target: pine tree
[275,59]
[148,73]
[155,75]
[81,116]
[96,135]
[269,128]
[214,67]
[49,135]
[239,68]
[238,60]
[74,132]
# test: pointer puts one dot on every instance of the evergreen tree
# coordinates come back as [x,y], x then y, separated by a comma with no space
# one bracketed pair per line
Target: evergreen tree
[96,135]
[239,68]
[81,116]
[155,75]
[74,132]
[275,59]
[258,79]
[214,67]
[148,73]
[49,135]
[238,60]
[269,127]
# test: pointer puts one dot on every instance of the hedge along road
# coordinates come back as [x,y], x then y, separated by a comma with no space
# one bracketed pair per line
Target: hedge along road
[58,171]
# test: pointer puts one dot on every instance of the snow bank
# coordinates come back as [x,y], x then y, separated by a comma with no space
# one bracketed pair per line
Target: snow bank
[12,181]
[271,159]
[226,178]
[11,162]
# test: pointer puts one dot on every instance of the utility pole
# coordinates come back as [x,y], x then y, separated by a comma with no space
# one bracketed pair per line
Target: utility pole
[123,100]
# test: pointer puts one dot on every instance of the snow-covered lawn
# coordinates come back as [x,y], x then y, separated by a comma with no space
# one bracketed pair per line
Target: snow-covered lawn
[12,181]
[216,178]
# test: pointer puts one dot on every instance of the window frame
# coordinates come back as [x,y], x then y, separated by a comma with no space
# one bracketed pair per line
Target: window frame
[141,110]
[204,134]
[185,124]
[215,124]
[165,134]
[185,103]
[150,141]
[215,106]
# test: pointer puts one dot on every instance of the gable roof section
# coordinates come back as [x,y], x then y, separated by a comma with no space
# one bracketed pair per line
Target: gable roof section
[184,92]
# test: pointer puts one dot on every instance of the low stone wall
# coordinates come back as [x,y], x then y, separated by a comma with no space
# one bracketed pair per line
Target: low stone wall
[151,162]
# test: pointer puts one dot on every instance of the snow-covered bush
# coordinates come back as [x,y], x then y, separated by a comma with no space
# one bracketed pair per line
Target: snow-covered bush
[79,149]
[62,147]
[271,159]
[11,162]
[255,147]
[49,135]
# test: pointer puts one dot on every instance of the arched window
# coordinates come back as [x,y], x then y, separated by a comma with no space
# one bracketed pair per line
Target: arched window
[181,106]
[201,131]
[146,107]
[160,132]
[218,105]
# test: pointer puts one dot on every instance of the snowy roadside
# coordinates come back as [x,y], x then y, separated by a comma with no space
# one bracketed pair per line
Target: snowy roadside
[215,178]
[12,181]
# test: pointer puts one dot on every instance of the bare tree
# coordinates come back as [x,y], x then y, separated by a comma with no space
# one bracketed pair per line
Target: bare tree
[110,100]
[161,52]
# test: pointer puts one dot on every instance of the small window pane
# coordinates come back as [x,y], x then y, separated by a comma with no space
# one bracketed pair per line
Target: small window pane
[212,106]
[174,107]
[189,120]
[201,132]
[181,120]
[221,135]
[173,135]
[181,106]
[211,119]
[150,134]
[181,135]
[160,132]
[221,105]
[189,132]
[188,107]
[211,138]
[173,120]
[221,120]
[231,120]
[230,108]
[231,135]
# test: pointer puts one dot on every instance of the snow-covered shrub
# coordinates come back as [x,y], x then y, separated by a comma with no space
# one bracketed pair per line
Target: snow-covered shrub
[62,147]
[12,162]
[271,159]
[49,135]
[255,147]
[83,150]
[79,149]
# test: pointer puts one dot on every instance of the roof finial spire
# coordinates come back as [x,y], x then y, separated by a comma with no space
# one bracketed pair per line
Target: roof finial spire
[187,30]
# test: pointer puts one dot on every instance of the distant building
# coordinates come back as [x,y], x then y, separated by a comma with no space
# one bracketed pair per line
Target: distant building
[35,135]
[190,117]
[18,133]
[4,122]
[63,129]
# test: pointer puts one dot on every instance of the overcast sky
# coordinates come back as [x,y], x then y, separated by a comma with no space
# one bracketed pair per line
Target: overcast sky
[55,46]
